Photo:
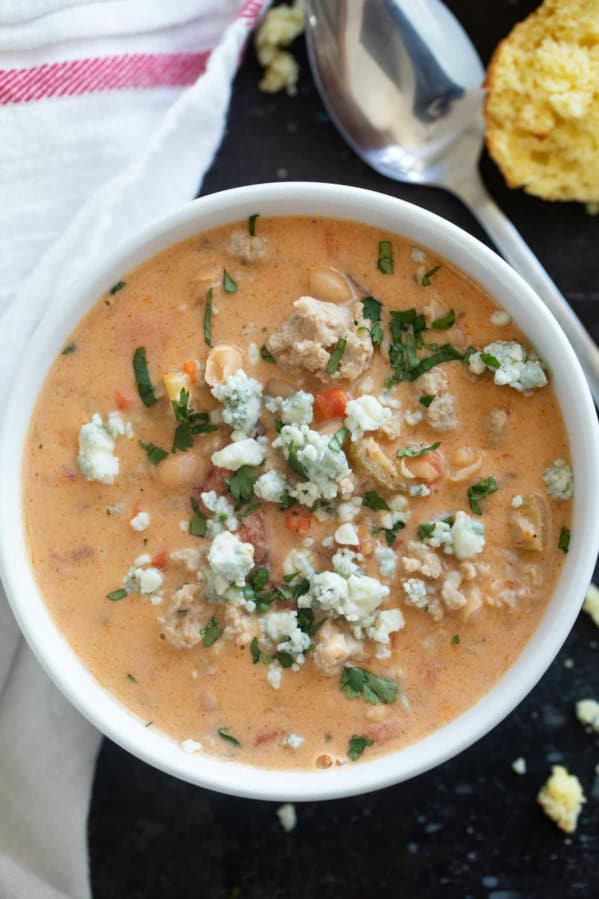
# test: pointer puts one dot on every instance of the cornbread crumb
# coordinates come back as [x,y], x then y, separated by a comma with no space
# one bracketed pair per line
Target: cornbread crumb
[587,712]
[591,603]
[562,798]
[519,766]
[281,26]
[287,816]
[542,110]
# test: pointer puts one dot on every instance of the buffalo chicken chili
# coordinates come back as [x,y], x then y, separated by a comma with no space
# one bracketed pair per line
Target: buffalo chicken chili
[297,492]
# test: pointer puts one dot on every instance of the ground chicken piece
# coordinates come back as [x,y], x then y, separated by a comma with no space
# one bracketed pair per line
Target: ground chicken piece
[431,383]
[307,339]
[239,626]
[422,561]
[185,618]
[246,247]
[334,648]
[497,423]
[441,413]
[451,595]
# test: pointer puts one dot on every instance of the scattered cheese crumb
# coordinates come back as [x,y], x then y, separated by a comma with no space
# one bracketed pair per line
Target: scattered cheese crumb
[562,798]
[294,741]
[519,765]
[191,746]
[287,816]
[500,318]
[141,521]
[281,26]
[591,603]
[587,712]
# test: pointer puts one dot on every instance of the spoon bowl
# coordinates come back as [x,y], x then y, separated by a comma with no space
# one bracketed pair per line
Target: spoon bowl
[402,82]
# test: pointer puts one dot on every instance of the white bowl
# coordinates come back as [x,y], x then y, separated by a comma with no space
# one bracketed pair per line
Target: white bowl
[423,229]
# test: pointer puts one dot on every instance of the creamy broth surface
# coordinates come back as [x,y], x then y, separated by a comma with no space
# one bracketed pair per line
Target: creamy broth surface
[479,601]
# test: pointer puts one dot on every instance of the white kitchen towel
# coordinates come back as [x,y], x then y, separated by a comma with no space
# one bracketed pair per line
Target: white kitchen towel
[111,112]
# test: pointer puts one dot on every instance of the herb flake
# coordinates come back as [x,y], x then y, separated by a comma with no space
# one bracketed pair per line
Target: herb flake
[426,400]
[412,453]
[229,284]
[117,594]
[373,500]
[445,322]
[208,318]
[356,746]
[116,287]
[336,355]
[385,260]
[70,348]
[360,682]
[265,354]
[252,223]
[337,440]
[227,737]
[478,491]
[211,632]
[154,453]
[145,387]
[564,540]
[426,279]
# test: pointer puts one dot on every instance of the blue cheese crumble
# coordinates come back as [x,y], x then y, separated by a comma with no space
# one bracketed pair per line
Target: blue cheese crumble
[144,579]
[464,537]
[96,459]
[327,471]
[282,631]
[516,368]
[241,398]
[230,560]
[271,486]
[241,452]
[294,410]
[223,515]
[559,480]
[365,414]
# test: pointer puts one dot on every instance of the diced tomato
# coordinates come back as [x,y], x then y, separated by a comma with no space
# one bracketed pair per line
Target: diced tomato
[122,399]
[298,519]
[267,737]
[253,530]
[330,404]
[382,732]
[190,367]
[160,559]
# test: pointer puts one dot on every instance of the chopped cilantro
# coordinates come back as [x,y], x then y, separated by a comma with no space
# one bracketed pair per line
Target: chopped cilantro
[455,640]
[425,530]
[412,453]
[287,501]
[142,377]
[426,399]
[305,621]
[208,318]
[255,651]
[294,463]
[373,500]
[241,485]
[70,348]
[426,279]
[372,312]
[335,357]
[489,360]
[117,594]
[154,453]
[211,632]
[132,679]
[564,540]
[116,287]
[478,491]
[445,353]
[285,659]
[337,440]
[374,689]
[227,737]
[385,260]
[390,533]
[259,578]
[198,521]
[190,423]
[252,224]
[356,747]
[229,284]
[445,322]
[268,357]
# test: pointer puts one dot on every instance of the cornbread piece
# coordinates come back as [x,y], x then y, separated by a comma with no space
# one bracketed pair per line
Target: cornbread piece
[542,110]
[561,798]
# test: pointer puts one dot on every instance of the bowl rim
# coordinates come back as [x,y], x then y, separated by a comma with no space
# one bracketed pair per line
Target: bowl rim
[426,229]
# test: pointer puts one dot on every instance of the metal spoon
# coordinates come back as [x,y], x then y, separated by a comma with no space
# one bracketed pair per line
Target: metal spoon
[402,82]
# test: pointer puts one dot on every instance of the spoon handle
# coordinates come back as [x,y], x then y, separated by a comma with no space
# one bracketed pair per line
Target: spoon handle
[517,252]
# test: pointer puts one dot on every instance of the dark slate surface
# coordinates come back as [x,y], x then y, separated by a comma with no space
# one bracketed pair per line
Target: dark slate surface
[470,828]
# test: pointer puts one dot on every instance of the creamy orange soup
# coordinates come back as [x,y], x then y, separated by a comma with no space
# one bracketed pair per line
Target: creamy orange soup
[297,492]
